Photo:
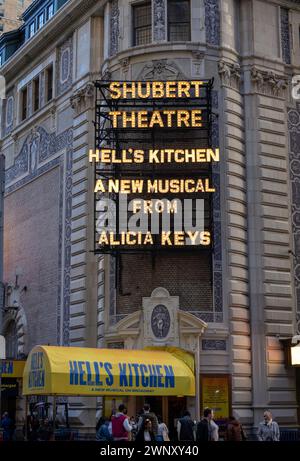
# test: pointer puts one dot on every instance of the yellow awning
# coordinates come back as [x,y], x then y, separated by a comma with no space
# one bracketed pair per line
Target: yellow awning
[81,371]
[12,368]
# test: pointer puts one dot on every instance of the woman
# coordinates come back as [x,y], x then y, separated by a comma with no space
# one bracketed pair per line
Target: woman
[163,431]
[214,431]
[145,434]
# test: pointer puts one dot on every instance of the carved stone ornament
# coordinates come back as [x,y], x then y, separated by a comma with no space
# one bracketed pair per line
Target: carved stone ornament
[114,27]
[160,318]
[159,13]
[83,97]
[268,82]
[160,321]
[230,74]
[124,63]
[106,75]
[198,55]
[160,69]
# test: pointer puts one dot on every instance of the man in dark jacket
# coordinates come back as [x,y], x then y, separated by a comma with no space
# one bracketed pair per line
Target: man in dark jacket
[147,414]
[203,427]
[185,428]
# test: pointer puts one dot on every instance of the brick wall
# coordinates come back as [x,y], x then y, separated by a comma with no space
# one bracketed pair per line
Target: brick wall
[185,275]
[31,244]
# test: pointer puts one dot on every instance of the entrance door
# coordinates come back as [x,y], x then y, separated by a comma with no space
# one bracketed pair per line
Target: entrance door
[177,405]
[155,404]
[9,393]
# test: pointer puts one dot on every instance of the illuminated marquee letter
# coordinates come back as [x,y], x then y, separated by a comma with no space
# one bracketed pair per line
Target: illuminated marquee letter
[115,91]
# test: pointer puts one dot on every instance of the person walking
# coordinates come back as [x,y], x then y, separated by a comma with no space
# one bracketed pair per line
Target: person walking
[185,428]
[234,430]
[163,431]
[204,427]
[214,431]
[121,428]
[268,430]
[148,414]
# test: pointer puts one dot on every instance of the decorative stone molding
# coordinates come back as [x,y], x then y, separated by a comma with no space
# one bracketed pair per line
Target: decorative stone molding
[230,74]
[106,75]
[36,157]
[9,114]
[65,67]
[191,329]
[212,22]
[83,98]
[217,315]
[268,82]
[285,35]
[159,20]
[160,69]
[198,55]
[130,326]
[160,318]
[197,61]
[294,164]
[114,27]
[124,64]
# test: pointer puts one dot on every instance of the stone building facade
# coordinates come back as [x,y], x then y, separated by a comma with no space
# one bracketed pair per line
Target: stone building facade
[231,308]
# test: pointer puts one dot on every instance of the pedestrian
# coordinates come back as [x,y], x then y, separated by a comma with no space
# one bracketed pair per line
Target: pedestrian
[234,430]
[133,424]
[214,431]
[268,430]
[163,431]
[102,430]
[7,426]
[185,428]
[145,433]
[204,427]
[148,414]
[121,429]
[45,431]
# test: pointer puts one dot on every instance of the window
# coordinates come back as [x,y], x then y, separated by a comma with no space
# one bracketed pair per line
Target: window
[1,27]
[49,83]
[142,24]
[50,11]
[1,13]
[179,28]
[24,104]
[1,59]
[41,20]
[36,94]
[31,30]
[11,338]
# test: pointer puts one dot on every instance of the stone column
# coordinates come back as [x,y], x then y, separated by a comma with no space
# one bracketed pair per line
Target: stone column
[236,229]
[269,231]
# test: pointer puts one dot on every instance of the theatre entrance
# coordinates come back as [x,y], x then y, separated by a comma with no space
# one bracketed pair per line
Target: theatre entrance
[170,408]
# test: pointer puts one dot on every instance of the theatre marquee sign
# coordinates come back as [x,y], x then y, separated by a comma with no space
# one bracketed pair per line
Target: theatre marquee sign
[152,158]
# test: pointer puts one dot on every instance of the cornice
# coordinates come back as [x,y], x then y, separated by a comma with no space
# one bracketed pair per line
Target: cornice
[50,33]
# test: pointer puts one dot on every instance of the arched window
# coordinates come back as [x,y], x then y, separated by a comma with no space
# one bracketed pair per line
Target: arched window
[11,341]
